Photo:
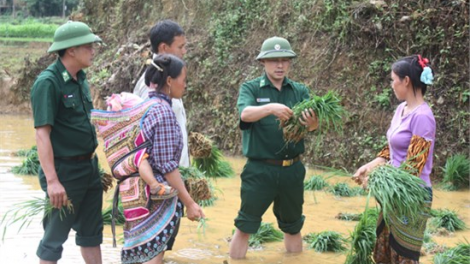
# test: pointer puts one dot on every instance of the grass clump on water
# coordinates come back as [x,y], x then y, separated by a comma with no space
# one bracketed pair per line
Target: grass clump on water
[30,165]
[315,183]
[266,233]
[328,110]
[456,255]
[344,190]
[445,218]
[326,241]
[456,173]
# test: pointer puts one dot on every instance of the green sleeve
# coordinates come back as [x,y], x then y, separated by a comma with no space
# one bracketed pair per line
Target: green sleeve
[44,102]
[305,93]
[246,98]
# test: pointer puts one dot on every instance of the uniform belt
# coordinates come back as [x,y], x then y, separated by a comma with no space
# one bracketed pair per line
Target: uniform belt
[283,163]
[77,158]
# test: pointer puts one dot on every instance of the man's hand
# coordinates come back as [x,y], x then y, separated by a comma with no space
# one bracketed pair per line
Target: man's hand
[57,194]
[309,119]
[281,111]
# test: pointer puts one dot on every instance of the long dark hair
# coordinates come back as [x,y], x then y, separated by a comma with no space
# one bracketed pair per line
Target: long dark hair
[410,66]
[162,67]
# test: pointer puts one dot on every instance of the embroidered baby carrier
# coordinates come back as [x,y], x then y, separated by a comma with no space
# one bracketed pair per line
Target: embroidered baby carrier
[125,147]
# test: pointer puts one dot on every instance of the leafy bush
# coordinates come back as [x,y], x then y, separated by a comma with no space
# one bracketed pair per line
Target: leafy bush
[456,172]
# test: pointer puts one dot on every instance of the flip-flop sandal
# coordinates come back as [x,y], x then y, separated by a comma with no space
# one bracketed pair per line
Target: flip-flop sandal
[163,192]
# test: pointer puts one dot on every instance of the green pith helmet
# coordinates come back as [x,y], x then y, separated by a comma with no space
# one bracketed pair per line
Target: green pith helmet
[72,34]
[276,47]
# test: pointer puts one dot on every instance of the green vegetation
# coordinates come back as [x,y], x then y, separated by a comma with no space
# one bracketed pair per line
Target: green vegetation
[315,183]
[356,217]
[328,110]
[456,255]
[265,234]
[28,30]
[200,188]
[24,213]
[108,214]
[214,165]
[326,241]
[400,195]
[30,165]
[363,238]
[344,46]
[445,218]
[343,189]
[456,172]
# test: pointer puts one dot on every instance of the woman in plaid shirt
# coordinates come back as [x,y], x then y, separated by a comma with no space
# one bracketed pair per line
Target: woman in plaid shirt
[145,240]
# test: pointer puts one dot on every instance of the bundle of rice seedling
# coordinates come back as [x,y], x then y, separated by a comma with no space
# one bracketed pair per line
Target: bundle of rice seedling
[30,165]
[445,218]
[198,189]
[328,110]
[198,186]
[344,190]
[202,225]
[199,145]
[457,255]
[108,216]
[456,173]
[106,179]
[363,237]
[399,192]
[266,233]
[326,241]
[214,165]
[24,212]
[315,183]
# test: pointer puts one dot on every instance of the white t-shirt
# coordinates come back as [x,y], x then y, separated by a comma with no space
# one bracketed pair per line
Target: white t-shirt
[142,91]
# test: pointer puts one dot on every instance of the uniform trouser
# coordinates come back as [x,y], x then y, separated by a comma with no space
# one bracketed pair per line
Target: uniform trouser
[81,180]
[263,184]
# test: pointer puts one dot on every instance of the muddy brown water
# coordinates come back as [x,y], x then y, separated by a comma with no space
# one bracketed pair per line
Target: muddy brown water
[192,245]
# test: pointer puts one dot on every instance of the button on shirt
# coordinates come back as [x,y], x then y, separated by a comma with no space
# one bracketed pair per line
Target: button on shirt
[264,139]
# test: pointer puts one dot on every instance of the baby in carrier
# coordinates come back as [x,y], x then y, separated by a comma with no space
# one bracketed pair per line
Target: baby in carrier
[158,191]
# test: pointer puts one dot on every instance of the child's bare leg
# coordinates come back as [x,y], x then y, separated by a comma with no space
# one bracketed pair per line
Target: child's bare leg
[146,174]
[158,190]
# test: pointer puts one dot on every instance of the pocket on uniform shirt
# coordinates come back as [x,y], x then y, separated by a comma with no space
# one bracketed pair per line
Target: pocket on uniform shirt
[69,100]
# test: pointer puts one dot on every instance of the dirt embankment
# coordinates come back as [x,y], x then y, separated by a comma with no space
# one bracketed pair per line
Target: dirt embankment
[344,46]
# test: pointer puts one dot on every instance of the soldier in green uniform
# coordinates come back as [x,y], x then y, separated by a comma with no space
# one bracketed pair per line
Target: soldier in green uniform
[273,172]
[66,141]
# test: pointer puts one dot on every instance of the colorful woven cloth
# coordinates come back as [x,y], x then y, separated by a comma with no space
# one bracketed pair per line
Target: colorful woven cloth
[123,139]
[125,147]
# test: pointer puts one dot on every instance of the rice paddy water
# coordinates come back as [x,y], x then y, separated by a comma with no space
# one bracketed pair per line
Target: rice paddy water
[193,245]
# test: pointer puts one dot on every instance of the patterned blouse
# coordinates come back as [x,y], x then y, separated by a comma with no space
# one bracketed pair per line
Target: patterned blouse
[160,127]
